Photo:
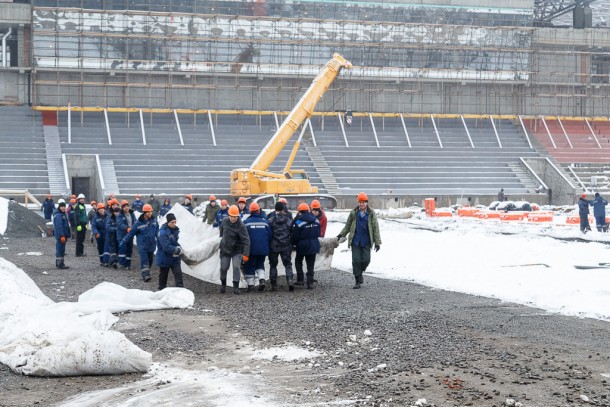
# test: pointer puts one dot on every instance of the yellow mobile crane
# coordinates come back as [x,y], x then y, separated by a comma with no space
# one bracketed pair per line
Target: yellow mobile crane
[258,180]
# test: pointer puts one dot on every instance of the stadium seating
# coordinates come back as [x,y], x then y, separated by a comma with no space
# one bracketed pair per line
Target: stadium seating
[23,163]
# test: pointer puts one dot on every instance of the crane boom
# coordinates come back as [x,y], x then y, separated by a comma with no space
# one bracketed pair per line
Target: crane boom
[257,179]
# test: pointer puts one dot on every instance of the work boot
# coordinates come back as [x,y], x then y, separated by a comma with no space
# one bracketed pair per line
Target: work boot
[310,281]
[223,286]
[273,285]
[60,265]
[300,278]
[261,284]
[250,288]
[361,277]
[236,287]
[357,285]
[290,284]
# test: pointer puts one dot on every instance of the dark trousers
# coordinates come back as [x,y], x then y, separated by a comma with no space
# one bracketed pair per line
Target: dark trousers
[286,261]
[80,240]
[60,251]
[600,223]
[146,261]
[361,257]
[125,252]
[164,272]
[310,259]
[584,223]
[100,248]
[225,262]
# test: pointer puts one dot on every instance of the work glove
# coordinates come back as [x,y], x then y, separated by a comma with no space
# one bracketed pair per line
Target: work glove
[339,236]
[377,247]
[178,250]
[97,235]
[245,258]
[79,228]
[62,240]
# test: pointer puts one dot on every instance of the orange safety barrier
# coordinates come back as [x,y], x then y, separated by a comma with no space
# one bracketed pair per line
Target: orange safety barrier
[468,211]
[441,214]
[429,206]
[489,215]
[575,220]
[510,216]
[540,217]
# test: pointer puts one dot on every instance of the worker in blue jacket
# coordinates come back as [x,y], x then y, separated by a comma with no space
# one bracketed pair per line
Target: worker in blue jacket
[599,211]
[305,233]
[259,232]
[137,204]
[166,207]
[583,213]
[111,243]
[125,221]
[223,212]
[168,252]
[146,229]
[61,229]
[98,229]
[48,207]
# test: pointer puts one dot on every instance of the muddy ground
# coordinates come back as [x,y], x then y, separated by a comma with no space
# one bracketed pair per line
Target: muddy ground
[449,348]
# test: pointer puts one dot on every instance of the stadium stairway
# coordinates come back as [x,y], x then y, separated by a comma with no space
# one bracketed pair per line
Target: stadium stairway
[23,163]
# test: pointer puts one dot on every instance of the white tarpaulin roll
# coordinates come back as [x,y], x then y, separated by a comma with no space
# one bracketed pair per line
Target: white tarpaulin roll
[201,242]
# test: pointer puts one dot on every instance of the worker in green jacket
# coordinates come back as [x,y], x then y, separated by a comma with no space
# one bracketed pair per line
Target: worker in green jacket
[211,210]
[363,229]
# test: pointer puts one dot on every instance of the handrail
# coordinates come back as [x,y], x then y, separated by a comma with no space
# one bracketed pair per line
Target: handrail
[107,127]
[548,131]
[374,131]
[578,179]
[66,176]
[532,172]
[593,133]
[142,127]
[179,129]
[343,129]
[404,126]
[467,131]
[26,195]
[69,125]
[212,128]
[100,174]
[527,137]
[564,132]
[495,130]
[440,143]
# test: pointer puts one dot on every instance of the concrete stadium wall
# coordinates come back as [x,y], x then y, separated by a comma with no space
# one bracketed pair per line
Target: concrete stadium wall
[13,87]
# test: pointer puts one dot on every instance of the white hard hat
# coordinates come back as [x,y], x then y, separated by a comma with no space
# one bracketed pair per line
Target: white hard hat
[80,196]
[61,200]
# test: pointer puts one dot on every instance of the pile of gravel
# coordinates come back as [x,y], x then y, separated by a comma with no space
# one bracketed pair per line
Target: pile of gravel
[23,222]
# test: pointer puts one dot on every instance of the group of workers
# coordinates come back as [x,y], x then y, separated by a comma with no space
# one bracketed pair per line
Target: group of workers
[599,212]
[248,237]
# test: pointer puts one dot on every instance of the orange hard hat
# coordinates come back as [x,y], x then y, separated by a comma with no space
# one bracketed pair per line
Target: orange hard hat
[583,196]
[93,203]
[362,197]
[224,202]
[189,196]
[241,199]
[100,206]
[254,207]
[315,204]
[110,202]
[233,210]
[147,208]
[212,198]
[303,207]
[283,200]
[124,202]
[114,201]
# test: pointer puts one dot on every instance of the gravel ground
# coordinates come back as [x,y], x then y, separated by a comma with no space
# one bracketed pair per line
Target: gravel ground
[449,348]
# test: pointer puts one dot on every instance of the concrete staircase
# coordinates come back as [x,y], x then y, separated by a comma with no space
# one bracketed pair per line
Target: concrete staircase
[57,176]
[524,176]
[326,176]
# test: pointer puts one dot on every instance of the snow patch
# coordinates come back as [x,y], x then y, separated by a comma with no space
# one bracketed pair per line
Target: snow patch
[30,254]
[3,215]
[287,353]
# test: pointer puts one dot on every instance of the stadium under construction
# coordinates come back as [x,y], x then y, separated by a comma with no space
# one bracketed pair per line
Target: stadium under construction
[452,99]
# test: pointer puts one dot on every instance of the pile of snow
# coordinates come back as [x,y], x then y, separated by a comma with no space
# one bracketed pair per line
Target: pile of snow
[39,337]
